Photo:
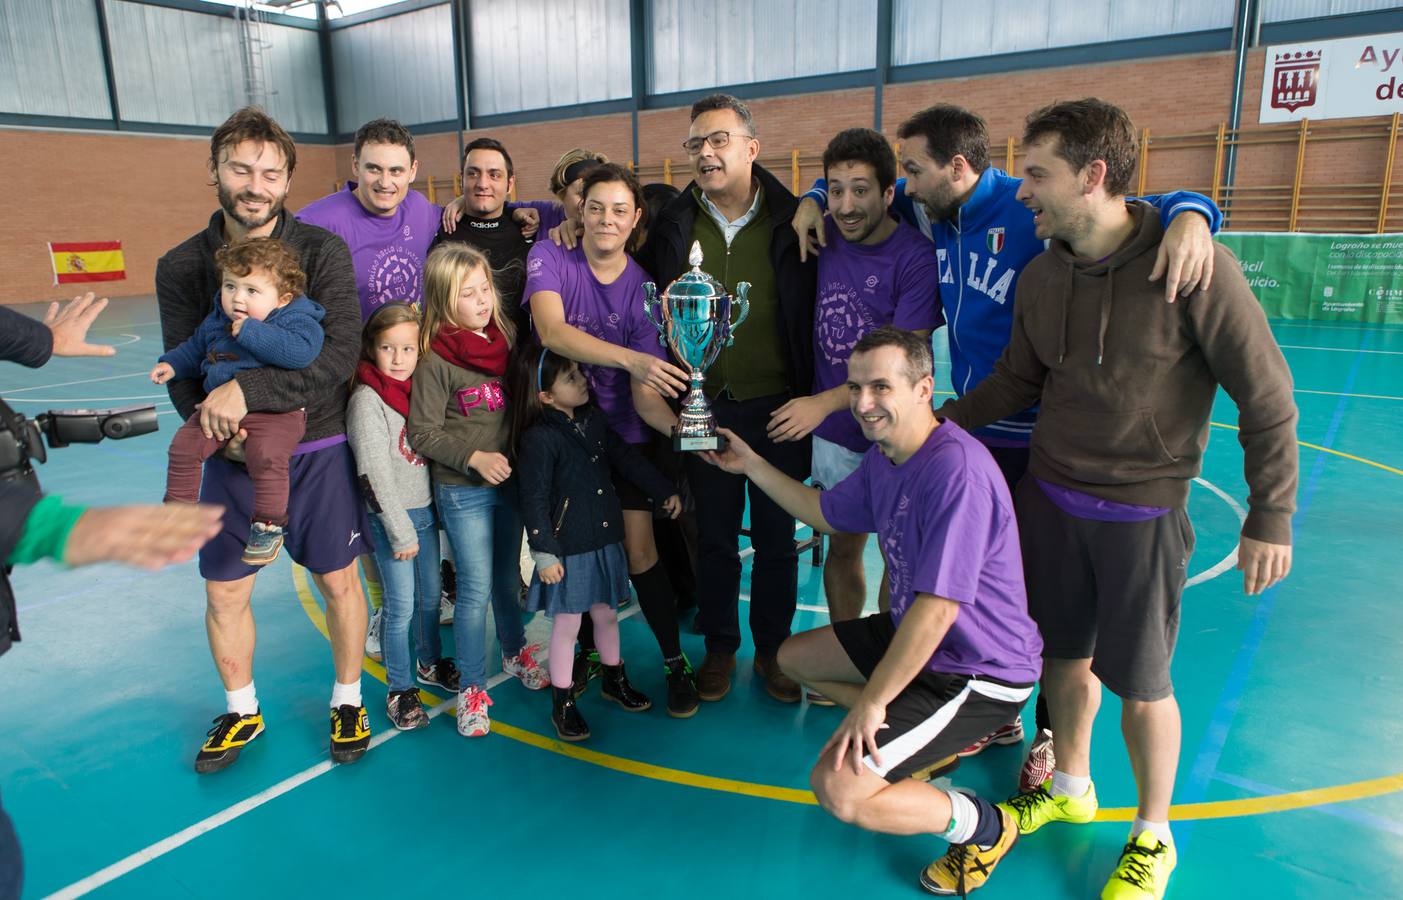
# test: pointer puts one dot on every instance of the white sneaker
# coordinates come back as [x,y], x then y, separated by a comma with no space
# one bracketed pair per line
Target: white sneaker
[473,720]
[524,666]
[373,635]
[445,609]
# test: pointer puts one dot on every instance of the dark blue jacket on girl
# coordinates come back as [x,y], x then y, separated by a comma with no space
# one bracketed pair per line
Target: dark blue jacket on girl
[565,474]
[289,338]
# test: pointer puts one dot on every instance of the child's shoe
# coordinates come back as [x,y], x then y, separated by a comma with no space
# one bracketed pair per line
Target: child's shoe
[585,670]
[264,542]
[615,686]
[473,720]
[373,634]
[405,710]
[565,716]
[524,666]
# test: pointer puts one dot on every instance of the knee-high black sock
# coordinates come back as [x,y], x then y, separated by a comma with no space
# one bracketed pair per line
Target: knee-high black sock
[1040,715]
[659,604]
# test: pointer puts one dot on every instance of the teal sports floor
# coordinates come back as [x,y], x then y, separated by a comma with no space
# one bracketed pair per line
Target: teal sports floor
[1290,782]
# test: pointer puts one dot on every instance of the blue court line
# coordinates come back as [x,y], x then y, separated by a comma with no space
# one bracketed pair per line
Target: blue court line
[1215,737]
[1338,810]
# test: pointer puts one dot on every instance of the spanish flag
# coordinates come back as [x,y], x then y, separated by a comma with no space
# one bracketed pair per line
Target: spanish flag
[75,263]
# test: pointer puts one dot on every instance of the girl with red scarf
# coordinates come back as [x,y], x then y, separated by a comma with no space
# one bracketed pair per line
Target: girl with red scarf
[394,481]
[458,419]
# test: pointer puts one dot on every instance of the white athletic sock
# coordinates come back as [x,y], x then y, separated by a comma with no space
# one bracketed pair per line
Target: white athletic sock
[1064,785]
[242,701]
[963,818]
[1159,829]
[345,694]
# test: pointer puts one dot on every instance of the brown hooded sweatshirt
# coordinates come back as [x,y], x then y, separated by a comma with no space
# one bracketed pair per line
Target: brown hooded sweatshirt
[1126,381]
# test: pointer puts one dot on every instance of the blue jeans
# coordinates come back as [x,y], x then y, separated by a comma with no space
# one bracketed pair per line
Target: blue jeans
[411,594]
[484,528]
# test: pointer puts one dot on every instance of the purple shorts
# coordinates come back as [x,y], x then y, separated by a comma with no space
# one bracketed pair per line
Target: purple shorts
[327,523]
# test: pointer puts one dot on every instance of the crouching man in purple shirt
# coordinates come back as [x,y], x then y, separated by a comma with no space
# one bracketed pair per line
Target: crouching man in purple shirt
[956,657]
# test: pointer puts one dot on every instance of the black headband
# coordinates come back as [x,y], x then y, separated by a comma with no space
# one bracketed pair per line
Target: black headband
[579,169]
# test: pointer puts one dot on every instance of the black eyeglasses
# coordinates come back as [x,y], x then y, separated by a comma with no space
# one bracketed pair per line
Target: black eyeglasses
[717,139]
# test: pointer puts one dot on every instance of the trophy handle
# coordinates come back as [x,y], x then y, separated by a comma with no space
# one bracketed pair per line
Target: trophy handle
[650,301]
[742,291]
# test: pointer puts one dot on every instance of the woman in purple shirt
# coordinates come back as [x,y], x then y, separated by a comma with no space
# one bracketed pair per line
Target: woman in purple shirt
[587,305]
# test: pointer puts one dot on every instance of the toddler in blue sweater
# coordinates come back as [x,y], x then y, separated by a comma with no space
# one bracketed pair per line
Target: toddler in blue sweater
[261,319]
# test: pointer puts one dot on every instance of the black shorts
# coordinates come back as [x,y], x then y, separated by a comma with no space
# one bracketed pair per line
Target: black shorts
[937,715]
[1106,591]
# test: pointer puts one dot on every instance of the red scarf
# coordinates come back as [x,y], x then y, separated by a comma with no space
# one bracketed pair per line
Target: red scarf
[394,392]
[468,350]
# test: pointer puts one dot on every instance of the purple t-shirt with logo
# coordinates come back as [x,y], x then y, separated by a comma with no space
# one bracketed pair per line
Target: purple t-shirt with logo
[945,521]
[388,252]
[859,289]
[610,312]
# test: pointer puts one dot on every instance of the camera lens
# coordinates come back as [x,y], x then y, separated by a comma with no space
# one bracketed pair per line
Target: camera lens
[117,427]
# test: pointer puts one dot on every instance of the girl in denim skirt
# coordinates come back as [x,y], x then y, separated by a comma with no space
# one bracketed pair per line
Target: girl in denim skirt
[568,459]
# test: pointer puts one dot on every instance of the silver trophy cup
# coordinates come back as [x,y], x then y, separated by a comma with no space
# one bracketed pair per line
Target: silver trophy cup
[693,319]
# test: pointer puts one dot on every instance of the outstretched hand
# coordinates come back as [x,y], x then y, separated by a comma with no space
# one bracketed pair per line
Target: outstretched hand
[70,325]
[735,458]
[147,537]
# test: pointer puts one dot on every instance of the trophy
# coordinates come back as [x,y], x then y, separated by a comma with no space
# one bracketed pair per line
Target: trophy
[693,319]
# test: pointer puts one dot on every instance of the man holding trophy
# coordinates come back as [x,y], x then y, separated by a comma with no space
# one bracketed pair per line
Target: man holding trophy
[739,215]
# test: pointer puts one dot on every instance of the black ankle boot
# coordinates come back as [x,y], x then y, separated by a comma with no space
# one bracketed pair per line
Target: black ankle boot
[585,670]
[615,687]
[565,716]
[682,699]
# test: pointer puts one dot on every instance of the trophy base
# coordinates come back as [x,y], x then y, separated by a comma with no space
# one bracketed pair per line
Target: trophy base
[697,443]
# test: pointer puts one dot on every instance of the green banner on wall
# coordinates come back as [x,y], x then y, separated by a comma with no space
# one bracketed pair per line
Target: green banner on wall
[1324,277]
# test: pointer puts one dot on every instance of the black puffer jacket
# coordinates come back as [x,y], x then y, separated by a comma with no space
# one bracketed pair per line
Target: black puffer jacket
[565,473]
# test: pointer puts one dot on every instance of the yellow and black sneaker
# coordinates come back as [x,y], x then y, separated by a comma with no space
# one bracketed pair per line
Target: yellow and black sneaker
[223,742]
[965,867]
[350,733]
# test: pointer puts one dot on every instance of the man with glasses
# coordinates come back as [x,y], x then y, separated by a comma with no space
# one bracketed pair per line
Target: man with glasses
[740,213]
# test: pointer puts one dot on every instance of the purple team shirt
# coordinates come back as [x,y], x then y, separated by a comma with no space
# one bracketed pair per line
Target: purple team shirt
[945,521]
[388,252]
[610,312]
[859,289]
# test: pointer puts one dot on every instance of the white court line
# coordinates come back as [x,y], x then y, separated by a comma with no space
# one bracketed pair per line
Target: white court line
[165,397]
[42,387]
[230,813]
[1342,350]
[1337,394]
[1230,560]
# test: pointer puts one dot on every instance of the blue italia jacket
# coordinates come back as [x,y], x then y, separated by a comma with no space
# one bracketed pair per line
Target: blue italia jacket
[289,338]
[980,254]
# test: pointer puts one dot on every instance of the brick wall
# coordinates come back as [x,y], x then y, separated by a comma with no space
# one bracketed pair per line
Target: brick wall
[152,192]
[149,192]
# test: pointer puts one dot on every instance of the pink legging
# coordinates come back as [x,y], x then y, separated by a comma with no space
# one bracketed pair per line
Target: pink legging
[566,627]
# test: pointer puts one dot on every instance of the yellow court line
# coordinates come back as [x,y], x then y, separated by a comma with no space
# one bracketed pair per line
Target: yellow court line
[1351,456]
[1218,809]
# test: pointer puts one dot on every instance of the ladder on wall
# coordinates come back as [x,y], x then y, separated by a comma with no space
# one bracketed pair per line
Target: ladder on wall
[254,43]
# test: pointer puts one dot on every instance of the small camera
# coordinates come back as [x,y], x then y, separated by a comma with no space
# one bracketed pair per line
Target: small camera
[22,439]
[88,426]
